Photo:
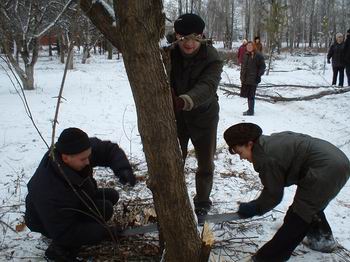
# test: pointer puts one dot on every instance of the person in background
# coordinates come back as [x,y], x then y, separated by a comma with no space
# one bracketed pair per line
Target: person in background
[194,78]
[64,202]
[336,53]
[347,56]
[241,51]
[258,44]
[318,169]
[252,68]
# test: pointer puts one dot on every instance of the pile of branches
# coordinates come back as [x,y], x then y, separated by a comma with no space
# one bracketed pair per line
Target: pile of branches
[146,247]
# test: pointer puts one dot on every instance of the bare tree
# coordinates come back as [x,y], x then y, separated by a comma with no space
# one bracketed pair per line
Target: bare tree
[156,120]
[22,23]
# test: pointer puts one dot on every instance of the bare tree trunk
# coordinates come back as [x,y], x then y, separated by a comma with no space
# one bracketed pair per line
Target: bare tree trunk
[156,120]
[109,50]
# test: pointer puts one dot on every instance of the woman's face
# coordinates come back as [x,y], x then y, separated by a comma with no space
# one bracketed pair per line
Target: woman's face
[245,151]
[250,47]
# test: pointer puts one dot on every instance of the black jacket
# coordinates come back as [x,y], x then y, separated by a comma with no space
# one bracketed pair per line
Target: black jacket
[54,209]
[336,52]
[347,51]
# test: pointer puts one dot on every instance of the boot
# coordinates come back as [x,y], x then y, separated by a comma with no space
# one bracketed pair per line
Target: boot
[250,111]
[59,253]
[320,236]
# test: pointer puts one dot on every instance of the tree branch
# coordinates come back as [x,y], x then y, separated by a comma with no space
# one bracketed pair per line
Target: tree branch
[102,19]
[274,99]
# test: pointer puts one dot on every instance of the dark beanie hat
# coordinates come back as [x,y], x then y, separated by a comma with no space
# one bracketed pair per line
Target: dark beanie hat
[189,24]
[72,141]
[348,31]
[241,134]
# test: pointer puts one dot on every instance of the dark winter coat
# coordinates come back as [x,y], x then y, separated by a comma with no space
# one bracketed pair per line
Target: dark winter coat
[198,77]
[347,50]
[336,52]
[252,68]
[52,207]
[318,168]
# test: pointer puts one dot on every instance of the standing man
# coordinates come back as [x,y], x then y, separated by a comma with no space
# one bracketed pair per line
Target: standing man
[318,168]
[252,68]
[194,79]
[347,56]
[64,202]
[336,53]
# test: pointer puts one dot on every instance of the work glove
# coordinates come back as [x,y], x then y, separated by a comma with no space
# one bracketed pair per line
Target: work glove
[247,210]
[126,176]
[328,61]
[178,102]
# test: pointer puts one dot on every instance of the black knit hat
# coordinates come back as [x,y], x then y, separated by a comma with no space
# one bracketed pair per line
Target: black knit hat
[72,141]
[241,134]
[189,24]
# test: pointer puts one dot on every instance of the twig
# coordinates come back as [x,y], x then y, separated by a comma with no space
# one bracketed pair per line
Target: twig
[23,97]
[7,225]
[70,49]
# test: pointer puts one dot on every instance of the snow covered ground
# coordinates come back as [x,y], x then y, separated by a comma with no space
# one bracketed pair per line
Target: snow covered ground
[98,99]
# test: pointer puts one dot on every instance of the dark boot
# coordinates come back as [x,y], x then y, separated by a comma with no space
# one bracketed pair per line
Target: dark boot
[320,236]
[250,111]
[204,184]
[59,253]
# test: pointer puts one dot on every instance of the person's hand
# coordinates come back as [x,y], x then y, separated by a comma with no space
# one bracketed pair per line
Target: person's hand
[178,102]
[247,210]
[328,61]
[126,176]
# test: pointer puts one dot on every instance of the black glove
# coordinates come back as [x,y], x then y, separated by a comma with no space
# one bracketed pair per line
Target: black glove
[126,176]
[258,79]
[328,61]
[247,210]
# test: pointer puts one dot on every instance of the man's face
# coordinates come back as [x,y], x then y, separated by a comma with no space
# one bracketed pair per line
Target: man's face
[245,151]
[340,39]
[78,161]
[189,44]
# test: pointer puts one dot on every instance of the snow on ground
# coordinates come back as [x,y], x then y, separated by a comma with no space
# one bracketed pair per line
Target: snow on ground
[98,99]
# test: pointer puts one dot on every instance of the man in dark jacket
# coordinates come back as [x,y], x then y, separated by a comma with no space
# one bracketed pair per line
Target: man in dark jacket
[336,53]
[194,79]
[252,68]
[347,56]
[63,201]
[318,168]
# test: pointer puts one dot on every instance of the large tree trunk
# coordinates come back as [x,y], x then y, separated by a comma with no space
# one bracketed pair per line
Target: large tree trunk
[156,120]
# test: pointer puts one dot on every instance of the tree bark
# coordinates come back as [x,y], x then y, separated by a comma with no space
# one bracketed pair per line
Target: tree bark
[156,120]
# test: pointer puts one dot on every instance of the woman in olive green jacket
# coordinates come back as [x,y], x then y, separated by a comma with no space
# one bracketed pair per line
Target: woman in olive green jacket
[318,168]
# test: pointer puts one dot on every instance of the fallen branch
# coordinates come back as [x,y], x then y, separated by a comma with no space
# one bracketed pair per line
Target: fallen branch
[275,85]
[274,99]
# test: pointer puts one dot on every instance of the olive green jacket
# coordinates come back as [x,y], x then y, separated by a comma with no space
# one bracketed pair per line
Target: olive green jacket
[318,168]
[196,79]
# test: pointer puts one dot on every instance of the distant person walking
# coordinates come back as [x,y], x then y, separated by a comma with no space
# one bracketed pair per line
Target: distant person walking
[258,44]
[336,53]
[347,55]
[252,68]
[241,51]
